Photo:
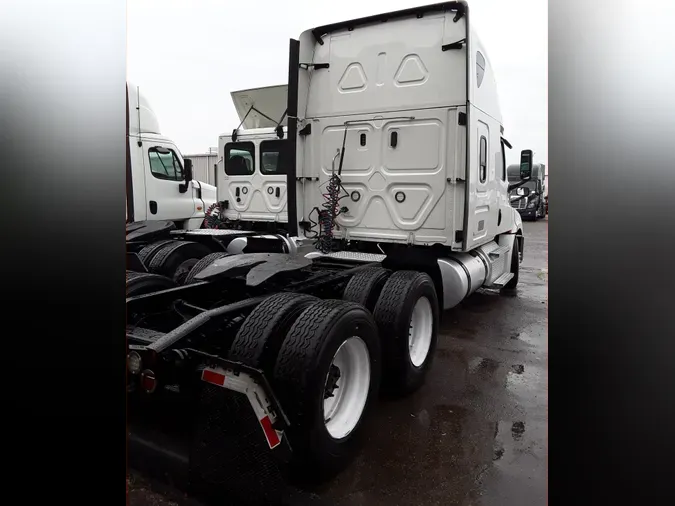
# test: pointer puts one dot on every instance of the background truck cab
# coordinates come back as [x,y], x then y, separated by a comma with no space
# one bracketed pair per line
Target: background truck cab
[159,180]
[532,206]
[250,175]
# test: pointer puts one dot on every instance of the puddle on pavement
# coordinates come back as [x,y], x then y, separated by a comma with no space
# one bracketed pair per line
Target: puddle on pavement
[482,302]
[527,384]
[418,453]
[479,365]
[534,335]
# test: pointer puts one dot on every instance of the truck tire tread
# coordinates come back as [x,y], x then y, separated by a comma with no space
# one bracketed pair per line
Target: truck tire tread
[261,335]
[202,264]
[299,376]
[392,314]
[365,286]
[148,252]
[140,283]
[167,259]
[515,267]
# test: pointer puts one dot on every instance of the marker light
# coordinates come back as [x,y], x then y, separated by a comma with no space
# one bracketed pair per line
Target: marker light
[134,362]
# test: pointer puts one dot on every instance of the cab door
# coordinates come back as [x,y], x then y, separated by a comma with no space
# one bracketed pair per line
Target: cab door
[163,177]
[272,173]
[483,208]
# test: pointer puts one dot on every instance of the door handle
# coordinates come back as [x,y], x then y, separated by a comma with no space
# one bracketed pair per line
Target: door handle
[278,192]
[153,207]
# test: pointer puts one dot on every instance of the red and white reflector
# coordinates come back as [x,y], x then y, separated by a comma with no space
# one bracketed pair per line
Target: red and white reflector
[272,436]
[213,377]
[245,384]
[148,381]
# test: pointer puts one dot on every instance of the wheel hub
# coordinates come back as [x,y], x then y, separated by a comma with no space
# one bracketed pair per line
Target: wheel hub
[343,403]
[420,332]
[331,381]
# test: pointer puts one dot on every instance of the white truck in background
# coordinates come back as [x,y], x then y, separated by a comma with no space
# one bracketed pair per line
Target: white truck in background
[251,176]
[160,186]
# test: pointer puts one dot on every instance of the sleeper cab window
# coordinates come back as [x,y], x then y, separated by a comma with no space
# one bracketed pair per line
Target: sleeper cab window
[480,68]
[271,157]
[503,162]
[482,162]
[164,164]
[239,158]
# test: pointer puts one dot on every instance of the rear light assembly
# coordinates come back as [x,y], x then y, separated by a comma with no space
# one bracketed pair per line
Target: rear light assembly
[148,381]
[134,362]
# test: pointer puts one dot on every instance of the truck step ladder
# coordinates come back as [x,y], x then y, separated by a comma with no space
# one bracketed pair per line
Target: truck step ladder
[499,251]
[214,232]
[501,281]
[353,256]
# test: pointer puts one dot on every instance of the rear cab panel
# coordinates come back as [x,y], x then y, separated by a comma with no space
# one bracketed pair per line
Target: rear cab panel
[255,187]
[400,103]
[424,158]
[250,175]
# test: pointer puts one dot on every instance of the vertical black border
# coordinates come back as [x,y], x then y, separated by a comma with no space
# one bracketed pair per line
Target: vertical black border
[130,179]
[467,185]
[292,103]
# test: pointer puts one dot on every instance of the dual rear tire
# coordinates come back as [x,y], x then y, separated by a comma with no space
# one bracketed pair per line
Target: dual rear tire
[405,308]
[326,358]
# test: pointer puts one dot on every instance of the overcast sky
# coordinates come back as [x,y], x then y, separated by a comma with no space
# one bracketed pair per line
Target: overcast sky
[188,55]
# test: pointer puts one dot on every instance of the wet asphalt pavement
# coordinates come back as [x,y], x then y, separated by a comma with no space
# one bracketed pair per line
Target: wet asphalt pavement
[476,433]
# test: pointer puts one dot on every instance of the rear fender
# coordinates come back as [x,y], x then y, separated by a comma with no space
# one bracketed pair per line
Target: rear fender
[258,267]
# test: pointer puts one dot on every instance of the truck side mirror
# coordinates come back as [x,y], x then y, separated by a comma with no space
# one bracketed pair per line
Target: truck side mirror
[526,164]
[187,169]
[187,173]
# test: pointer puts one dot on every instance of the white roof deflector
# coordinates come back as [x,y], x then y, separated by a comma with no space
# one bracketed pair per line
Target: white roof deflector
[268,103]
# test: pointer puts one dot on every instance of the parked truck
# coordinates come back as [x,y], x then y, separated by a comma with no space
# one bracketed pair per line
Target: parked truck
[251,173]
[160,186]
[259,366]
[533,205]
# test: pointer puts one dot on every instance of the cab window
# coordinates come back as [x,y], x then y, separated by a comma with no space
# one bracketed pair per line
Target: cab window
[164,164]
[271,157]
[239,158]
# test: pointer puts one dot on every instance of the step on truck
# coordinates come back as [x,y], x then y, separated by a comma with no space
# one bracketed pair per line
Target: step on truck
[159,182]
[260,369]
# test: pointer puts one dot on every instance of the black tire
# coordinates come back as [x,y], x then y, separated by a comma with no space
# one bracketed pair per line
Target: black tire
[393,313]
[515,266]
[183,270]
[202,264]
[365,286]
[140,283]
[300,375]
[259,339]
[148,252]
[167,260]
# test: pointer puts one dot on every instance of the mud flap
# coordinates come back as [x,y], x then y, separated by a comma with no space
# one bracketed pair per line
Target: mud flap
[230,457]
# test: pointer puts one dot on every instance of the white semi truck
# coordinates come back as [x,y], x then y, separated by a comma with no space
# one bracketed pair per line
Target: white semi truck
[273,360]
[159,181]
[251,175]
